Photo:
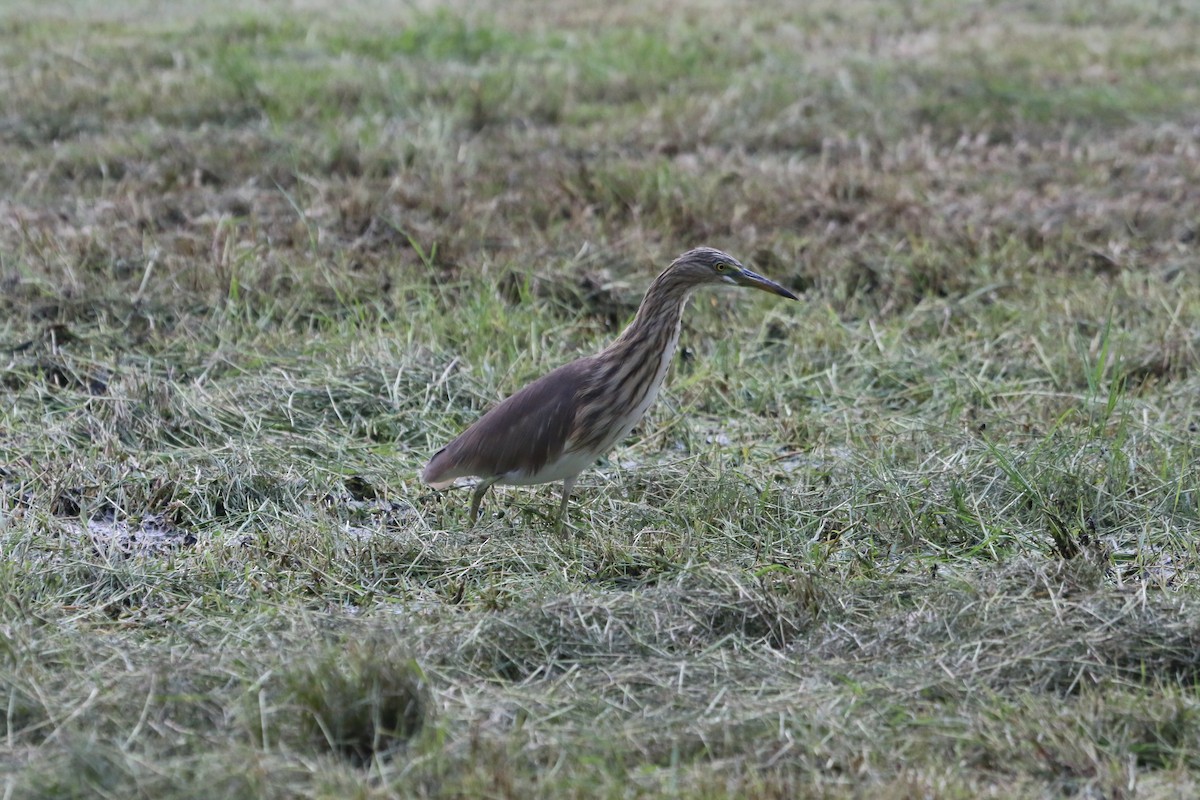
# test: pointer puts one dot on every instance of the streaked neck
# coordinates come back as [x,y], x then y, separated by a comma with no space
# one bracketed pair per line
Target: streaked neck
[656,324]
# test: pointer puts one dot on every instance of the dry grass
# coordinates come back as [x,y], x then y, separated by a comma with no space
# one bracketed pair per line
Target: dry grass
[932,533]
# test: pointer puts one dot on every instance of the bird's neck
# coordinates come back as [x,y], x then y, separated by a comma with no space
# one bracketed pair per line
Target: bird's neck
[655,327]
[629,372]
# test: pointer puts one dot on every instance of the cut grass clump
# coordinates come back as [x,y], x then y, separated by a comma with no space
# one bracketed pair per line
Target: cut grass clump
[359,700]
[700,606]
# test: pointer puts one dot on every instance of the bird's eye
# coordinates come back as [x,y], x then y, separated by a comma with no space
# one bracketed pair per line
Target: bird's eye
[721,266]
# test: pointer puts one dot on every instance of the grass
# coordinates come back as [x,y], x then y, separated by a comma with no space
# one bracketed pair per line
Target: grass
[931,532]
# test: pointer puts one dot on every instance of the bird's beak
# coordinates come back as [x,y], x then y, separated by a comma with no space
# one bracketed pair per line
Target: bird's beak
[753,279]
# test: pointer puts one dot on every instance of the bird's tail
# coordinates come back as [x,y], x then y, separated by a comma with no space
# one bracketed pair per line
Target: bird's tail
[437,472]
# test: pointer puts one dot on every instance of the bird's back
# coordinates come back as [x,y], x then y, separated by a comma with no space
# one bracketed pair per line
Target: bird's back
[520,436]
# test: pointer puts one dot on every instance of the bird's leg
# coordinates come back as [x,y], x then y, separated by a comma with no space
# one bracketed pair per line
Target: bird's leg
[568,484]
[477,497]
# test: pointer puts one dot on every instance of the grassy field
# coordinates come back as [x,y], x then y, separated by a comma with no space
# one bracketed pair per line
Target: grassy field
[931,532]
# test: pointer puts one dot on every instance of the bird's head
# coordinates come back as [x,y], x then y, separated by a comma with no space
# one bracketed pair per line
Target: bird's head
[709,265]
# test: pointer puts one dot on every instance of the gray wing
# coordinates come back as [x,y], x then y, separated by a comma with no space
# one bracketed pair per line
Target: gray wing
[524,432]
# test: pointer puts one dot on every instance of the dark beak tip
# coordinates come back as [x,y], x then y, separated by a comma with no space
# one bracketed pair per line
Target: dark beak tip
[768,285]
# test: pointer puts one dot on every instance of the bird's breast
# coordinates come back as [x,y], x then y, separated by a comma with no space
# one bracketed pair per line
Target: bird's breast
[623,396]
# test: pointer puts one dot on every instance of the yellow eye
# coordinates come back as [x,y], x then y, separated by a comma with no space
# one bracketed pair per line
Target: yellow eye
[721,266]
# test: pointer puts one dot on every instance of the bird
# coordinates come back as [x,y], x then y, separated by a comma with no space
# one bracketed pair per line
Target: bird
[563,422]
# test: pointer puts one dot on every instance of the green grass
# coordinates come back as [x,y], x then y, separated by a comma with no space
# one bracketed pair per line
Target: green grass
[930,532]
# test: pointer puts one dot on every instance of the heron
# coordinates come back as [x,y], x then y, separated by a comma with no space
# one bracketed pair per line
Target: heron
[563,422]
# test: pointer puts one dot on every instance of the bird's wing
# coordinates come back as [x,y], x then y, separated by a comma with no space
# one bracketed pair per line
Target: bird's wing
[522,434]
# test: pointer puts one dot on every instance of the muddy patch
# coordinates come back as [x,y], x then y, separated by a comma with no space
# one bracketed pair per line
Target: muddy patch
[148,534]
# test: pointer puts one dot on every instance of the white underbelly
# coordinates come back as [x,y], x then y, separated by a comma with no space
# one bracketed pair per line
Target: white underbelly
[568,465]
